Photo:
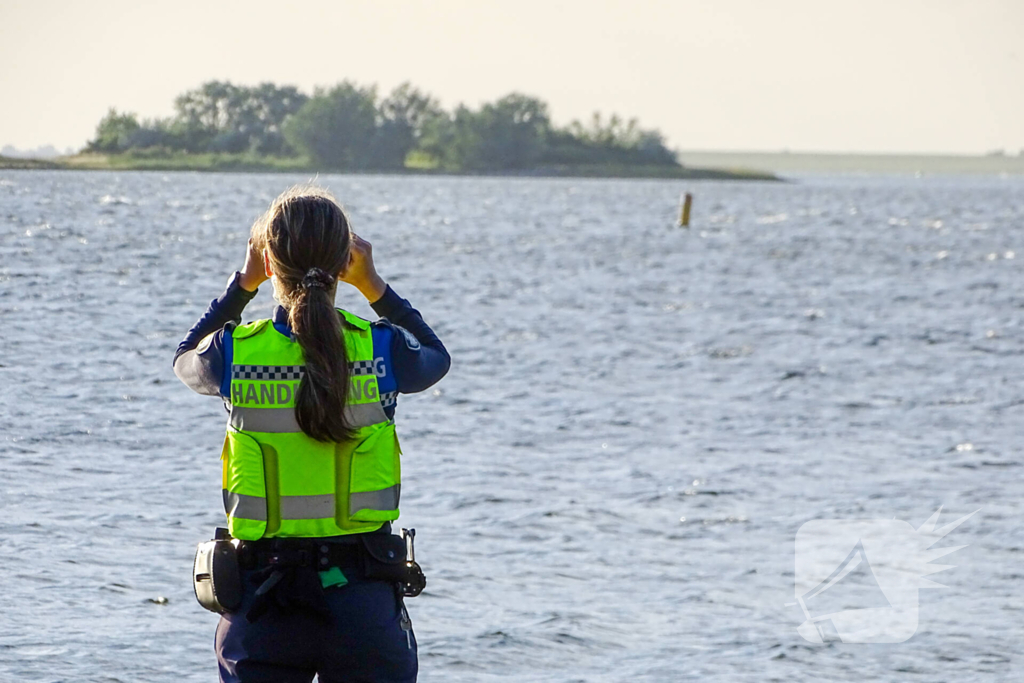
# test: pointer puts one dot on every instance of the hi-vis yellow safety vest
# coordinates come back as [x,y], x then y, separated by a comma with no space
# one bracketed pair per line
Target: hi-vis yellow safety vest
[280,482]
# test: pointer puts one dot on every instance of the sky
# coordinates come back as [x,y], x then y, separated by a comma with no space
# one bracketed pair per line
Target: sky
[911,76]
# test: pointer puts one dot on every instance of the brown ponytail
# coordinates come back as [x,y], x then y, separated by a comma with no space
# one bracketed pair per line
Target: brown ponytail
[307,237]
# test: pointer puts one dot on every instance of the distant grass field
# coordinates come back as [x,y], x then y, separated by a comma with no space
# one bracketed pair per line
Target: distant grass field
[785,162]
[210,161]
[11,162]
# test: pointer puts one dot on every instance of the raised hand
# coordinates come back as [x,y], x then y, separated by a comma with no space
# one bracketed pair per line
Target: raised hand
[360,271]
[254,272]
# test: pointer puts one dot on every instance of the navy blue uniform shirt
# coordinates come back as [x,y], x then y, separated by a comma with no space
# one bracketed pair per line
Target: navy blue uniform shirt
[408,356]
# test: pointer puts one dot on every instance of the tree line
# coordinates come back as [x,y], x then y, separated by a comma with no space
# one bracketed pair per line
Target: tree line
[352,127]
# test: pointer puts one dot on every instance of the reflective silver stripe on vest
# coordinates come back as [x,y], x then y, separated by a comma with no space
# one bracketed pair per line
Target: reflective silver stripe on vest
[365,414]
[267,420]
[245,507]
[292,507]
[385,499]
[283,421]
[307,507]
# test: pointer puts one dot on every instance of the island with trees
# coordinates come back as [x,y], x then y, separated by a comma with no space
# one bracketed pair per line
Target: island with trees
[221,126]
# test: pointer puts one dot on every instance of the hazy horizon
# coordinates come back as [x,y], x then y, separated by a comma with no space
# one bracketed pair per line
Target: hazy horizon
[737,75]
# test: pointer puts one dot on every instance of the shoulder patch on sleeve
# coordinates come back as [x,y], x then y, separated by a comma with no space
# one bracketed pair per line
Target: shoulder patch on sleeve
[411,342]
[204,344]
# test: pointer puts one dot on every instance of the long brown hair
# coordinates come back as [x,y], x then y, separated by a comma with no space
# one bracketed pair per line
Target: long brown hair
[307,237]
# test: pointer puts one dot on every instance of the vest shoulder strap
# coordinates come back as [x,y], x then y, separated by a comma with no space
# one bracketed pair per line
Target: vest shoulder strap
[354,320]
[249,329]
[257,326]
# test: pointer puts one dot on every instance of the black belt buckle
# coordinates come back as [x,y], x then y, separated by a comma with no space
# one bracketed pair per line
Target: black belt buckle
[287,557]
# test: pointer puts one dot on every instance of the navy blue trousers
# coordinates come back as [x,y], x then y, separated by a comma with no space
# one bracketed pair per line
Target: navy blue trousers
[363,642]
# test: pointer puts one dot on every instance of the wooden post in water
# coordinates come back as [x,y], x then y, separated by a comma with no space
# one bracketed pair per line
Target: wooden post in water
[684,214]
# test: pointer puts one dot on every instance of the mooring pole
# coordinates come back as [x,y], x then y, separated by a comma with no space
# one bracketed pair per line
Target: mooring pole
[684,214]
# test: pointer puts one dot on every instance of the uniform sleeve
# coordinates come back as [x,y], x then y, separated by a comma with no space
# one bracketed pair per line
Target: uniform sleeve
[418,358]
[204,353]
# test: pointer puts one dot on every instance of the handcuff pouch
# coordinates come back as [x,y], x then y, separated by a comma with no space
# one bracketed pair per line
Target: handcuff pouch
[386,560]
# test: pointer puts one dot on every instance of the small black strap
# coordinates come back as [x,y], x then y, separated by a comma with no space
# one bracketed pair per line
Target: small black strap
[273,580]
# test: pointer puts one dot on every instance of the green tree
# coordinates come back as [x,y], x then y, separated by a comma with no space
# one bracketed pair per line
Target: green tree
[347,127]
[452,140]
[512,133]
[271,106]
[223,117]
[202,114]
[615,141]
[336,127]
[402,118]
[114,132]
[650,147]
[155,133]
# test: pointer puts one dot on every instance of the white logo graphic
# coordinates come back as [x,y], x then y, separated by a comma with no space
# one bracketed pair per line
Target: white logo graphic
[857,580]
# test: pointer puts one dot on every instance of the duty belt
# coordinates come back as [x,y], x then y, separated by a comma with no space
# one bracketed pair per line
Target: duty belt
[298,552]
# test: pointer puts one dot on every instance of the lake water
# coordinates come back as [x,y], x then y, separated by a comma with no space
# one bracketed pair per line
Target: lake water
[608,484]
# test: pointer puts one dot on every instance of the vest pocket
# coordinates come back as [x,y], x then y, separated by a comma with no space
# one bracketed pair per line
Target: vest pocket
[374,483]
[245,487]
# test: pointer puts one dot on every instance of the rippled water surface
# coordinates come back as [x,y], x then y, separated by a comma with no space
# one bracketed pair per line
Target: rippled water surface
[608,484]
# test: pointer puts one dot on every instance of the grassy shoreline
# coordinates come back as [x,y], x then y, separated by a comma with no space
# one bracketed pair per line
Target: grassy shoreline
[244,163]
[23,164]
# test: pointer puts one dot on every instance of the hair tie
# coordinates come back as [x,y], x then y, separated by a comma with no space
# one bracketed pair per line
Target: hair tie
[316,277]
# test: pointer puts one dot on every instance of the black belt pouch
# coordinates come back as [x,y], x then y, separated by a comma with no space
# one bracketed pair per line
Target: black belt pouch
[386,560]
[385,557]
